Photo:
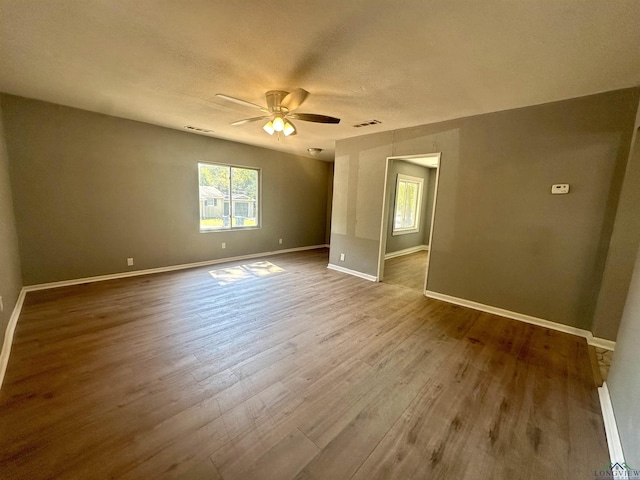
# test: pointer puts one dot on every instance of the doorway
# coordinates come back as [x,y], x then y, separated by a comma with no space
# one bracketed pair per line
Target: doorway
[407,220]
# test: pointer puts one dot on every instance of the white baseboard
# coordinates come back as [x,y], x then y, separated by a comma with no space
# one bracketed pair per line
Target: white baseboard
[610,426]
[355,273]
[591,340]
[135,273]
[601,342]
[8,334]
[406,251]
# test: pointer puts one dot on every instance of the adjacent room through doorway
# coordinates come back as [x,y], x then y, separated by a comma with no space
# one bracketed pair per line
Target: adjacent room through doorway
[407,220]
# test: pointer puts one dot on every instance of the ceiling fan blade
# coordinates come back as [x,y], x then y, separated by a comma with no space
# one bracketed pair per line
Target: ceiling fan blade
[241,102]
[294,99]
[312,117]
[249,120]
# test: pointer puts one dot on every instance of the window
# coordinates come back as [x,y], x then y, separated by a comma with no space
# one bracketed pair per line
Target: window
[228,197]
[406,217]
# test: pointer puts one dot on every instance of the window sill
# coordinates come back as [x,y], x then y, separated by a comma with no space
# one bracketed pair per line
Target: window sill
[234,229]
[405,232]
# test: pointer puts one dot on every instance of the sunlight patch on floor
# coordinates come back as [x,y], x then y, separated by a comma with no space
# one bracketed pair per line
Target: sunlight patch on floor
[226,276]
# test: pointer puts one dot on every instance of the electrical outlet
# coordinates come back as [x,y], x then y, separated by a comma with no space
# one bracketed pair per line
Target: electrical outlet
[342,257]
[129,261]
[224,245]
[1,305]
[560,188]
[280,241]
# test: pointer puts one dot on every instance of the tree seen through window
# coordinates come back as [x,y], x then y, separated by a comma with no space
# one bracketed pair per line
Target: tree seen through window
[228,197]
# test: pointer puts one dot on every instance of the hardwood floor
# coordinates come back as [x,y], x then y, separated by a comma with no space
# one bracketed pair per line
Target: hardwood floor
[304,373]
[407,270]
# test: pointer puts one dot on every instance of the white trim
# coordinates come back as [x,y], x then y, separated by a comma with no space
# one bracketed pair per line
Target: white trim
[8,334]
[406,251]
[170,268]
[601,343]
[411,157]
[384,222]
[610,426]
[433,221]
[355,273]
[541,322]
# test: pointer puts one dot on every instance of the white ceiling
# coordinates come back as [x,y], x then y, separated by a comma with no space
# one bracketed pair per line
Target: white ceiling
[430,161]
[404,63]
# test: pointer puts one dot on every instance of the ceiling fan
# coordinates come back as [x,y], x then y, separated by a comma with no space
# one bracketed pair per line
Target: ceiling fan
[279,111]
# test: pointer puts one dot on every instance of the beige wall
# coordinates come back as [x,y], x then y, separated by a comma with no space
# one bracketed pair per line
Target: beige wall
[624,375]
[10,278]
[92,190]
[500,237]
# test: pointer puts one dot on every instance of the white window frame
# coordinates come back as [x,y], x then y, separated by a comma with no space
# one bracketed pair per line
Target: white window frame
[231,228]
[416,227]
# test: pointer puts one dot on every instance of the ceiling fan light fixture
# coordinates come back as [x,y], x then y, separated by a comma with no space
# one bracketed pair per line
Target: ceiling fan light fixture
[268,127]
[280,108]
[278,123]
[288,129]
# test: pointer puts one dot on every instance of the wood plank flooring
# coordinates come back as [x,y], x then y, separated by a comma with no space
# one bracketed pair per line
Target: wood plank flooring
[407,270]
[304,373]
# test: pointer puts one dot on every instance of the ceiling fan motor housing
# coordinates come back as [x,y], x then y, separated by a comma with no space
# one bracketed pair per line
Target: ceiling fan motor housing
[274,99]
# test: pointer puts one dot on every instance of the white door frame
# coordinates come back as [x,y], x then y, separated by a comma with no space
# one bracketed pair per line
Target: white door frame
[384,224]
[433,221]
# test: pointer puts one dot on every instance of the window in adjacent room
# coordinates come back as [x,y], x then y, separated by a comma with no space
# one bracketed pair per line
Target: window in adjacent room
[406,217]
[229,197]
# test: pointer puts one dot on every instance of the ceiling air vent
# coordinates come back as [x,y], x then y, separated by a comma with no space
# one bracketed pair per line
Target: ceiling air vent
[366,124]
[196,129]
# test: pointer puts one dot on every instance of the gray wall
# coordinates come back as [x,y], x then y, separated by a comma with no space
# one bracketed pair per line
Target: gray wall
[91,190]
[500,237]
[327,236]
[431,187]
[10,279]
[625,240]
[624,376]
[421,237]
